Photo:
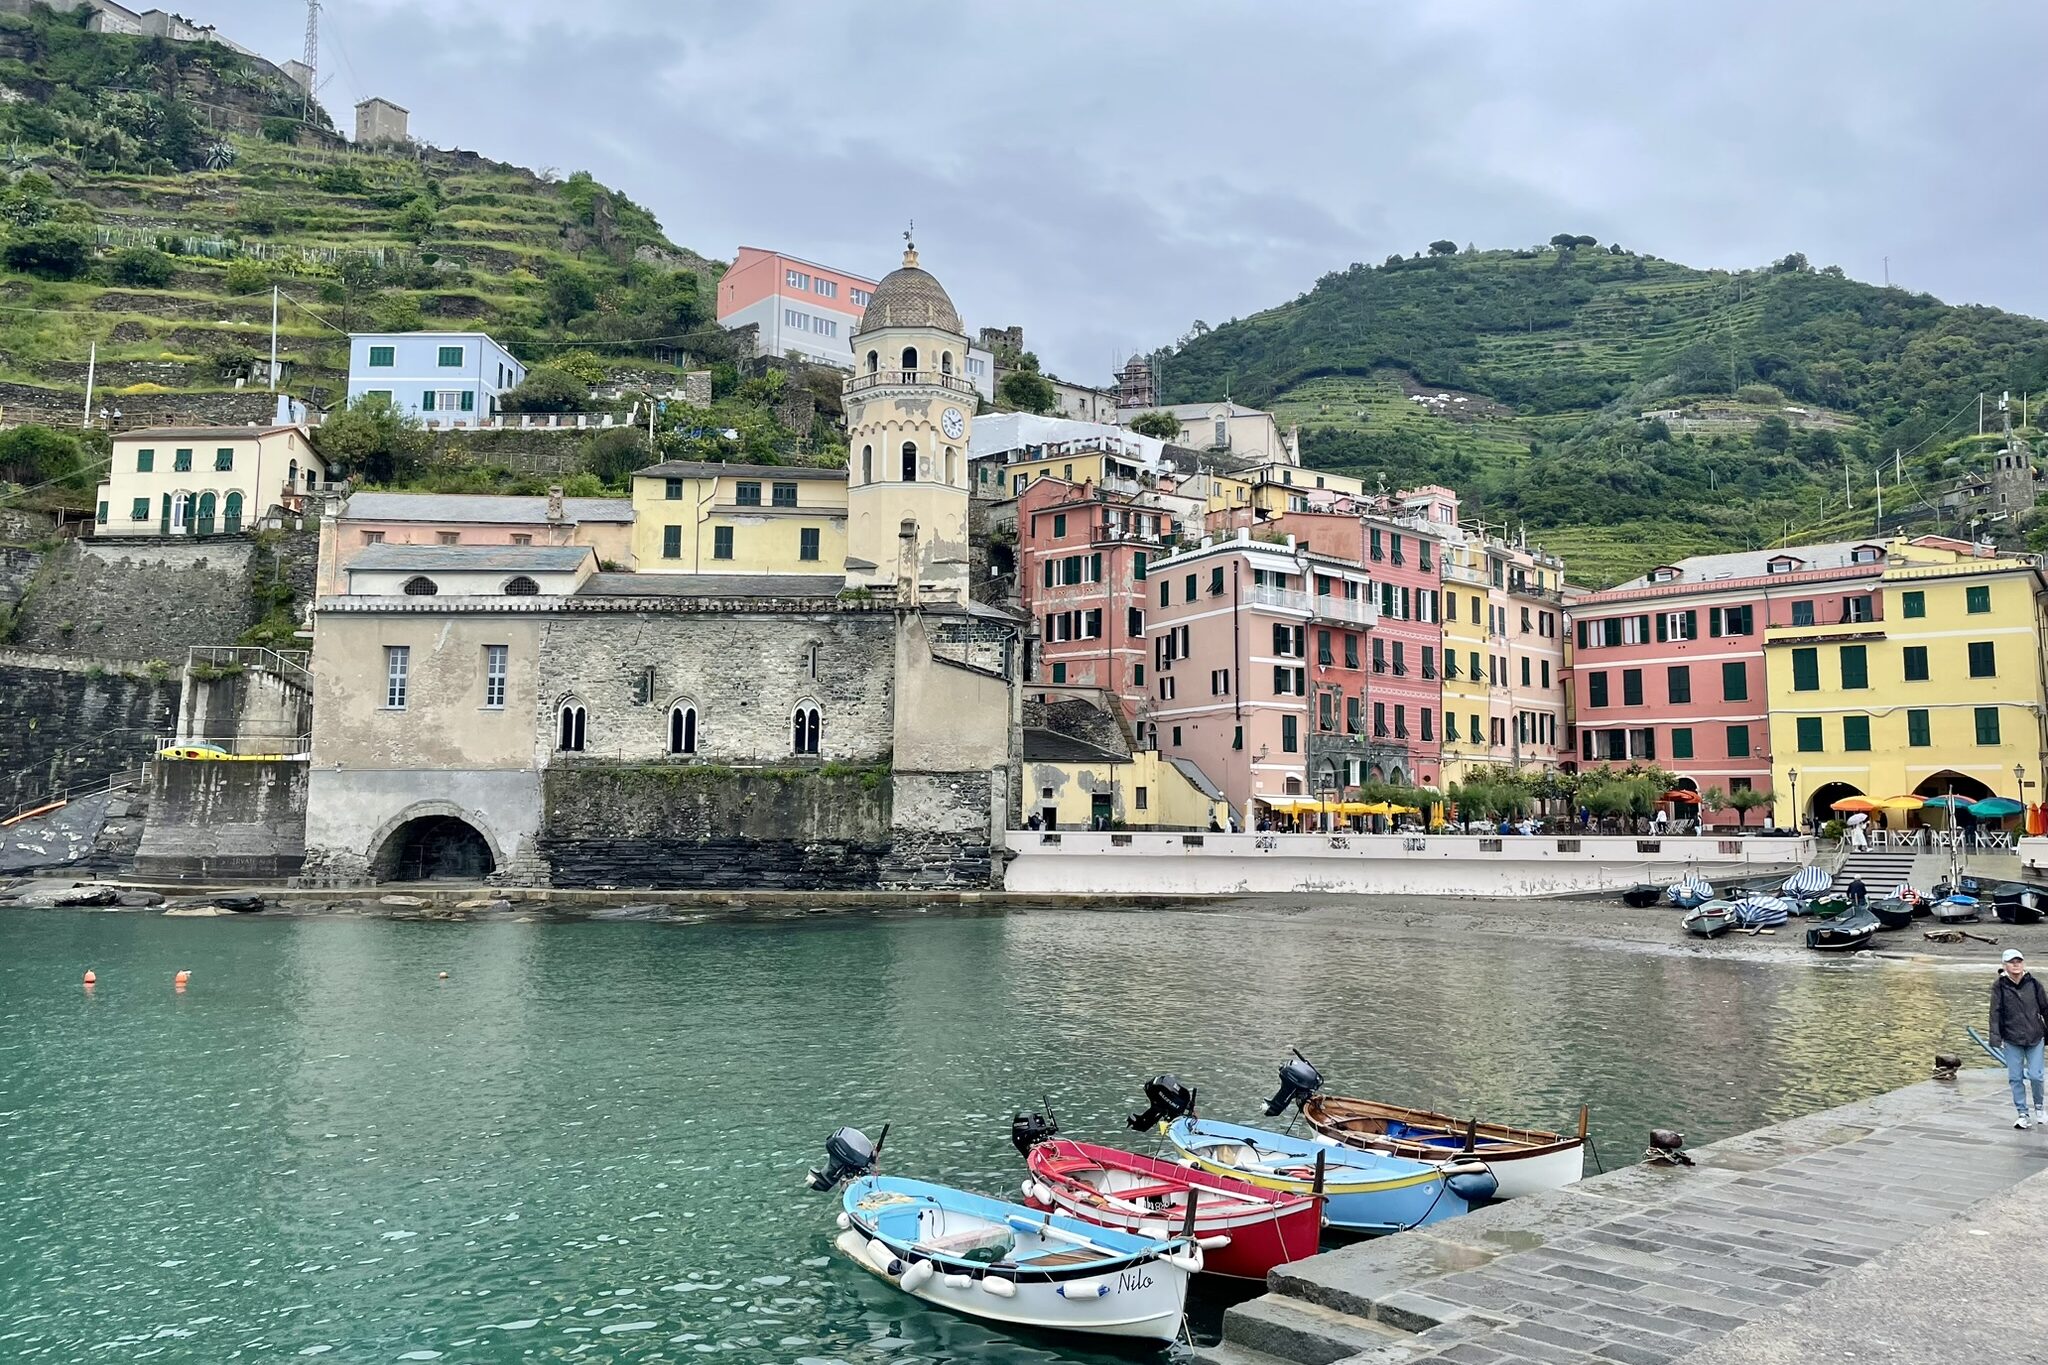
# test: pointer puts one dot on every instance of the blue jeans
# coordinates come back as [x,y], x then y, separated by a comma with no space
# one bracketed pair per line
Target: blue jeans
[2023,1064]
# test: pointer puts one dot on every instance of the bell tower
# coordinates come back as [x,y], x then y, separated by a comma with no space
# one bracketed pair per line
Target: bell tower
[909,412]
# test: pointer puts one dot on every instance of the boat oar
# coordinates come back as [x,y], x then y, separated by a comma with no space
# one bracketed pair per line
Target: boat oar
[875,1161]
[1471,1136]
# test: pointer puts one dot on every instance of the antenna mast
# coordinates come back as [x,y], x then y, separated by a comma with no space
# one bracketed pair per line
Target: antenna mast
[312,53]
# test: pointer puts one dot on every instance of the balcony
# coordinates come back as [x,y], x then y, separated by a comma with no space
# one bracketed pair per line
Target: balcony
[1114,531]
[892,379]
[1327,608]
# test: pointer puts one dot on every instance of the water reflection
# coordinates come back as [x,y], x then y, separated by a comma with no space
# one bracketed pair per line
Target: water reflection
[589,1139]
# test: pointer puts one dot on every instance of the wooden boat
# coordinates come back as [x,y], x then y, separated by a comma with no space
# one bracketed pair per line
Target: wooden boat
[1013,1265]
[1844,933]
[1242,1229]
[1957,909]
[2018,903]
[1893,913]
[1709,920]
[1755,913]
[1642,894]
[1522,1160]
[1365,1192]
[1689,891]
[1827,905]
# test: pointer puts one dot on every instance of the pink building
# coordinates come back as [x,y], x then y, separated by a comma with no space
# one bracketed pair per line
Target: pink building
[1236,630]
[365,519]
[1669,668]
[1083,559]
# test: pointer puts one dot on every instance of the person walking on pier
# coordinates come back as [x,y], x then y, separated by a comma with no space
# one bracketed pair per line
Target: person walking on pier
[2019,1024]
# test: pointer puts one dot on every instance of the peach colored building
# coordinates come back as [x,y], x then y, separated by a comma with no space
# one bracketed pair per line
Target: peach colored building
[366,519]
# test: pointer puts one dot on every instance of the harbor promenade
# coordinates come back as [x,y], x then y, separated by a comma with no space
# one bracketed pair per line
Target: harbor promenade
[1903,1228]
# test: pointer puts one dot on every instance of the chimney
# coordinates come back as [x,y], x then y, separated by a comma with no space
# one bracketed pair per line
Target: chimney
[556,514]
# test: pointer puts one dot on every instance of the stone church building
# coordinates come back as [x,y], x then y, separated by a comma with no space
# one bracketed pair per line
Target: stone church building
[511,711]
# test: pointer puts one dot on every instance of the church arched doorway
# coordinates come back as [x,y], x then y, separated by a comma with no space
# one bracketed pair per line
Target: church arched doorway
[434,848]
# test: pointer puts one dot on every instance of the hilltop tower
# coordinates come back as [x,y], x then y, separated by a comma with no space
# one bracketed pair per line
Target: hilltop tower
[909,411]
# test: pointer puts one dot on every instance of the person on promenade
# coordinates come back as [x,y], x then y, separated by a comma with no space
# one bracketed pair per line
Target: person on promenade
[1858,892]
[2019,1024]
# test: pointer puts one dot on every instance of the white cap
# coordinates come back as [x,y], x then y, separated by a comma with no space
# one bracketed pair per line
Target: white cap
[2012,955]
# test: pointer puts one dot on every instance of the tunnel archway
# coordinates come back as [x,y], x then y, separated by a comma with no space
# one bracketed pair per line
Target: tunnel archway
[435,847]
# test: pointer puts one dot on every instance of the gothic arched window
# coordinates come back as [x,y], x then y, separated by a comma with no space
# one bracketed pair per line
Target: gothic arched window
[682,728]
[803,729]
[569,731]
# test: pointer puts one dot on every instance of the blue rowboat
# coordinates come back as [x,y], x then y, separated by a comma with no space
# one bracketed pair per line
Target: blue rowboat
[1368,1192]
[1690,891]
[1009,1264]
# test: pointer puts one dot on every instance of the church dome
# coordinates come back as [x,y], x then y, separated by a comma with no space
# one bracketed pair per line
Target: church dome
[910,297]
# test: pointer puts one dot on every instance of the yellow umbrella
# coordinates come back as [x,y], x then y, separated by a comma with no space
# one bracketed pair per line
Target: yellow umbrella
[1901,803]
[1403,810]
[1373,808]
[1356,808]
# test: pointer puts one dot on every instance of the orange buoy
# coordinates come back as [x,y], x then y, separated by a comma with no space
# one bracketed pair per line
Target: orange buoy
[90,979]
[181,978]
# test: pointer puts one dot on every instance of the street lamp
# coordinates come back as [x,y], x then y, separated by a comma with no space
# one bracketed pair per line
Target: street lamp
[2019,782]
[1797,824]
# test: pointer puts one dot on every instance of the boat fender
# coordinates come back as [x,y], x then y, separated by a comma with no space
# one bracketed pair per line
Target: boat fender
[1473,1183]
[914,1278]
[1189,1260]
[882,1258]
[1156,1231]
[1081,1289]
[845,1221]
[957,1281]
[1215,1243]
[1001,1288]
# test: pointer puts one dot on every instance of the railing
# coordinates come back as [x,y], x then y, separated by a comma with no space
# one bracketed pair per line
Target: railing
[254,746]
[92,786]
[293,665]
[1329,608]
[1110,530]
[937,379]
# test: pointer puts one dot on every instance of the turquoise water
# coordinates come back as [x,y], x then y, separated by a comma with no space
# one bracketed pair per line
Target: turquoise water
[587,1143]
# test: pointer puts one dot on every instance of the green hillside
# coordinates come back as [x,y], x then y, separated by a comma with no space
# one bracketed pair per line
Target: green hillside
[1521,377]
[154,192]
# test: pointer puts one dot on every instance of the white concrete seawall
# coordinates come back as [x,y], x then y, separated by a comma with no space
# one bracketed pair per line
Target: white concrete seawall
[1083,863]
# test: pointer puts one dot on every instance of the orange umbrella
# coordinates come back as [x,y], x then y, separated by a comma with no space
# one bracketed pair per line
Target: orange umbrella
[1850,804]
[1691,798]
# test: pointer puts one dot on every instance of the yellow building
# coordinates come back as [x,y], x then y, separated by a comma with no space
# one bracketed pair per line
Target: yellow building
[1933,683]
[1070,784]
[203,481]
[1277,487]
[691,517]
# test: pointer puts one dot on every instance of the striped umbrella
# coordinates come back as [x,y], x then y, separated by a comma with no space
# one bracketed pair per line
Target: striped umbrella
[1808,881]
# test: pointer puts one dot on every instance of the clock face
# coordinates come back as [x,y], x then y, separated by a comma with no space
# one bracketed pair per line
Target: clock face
[952,423]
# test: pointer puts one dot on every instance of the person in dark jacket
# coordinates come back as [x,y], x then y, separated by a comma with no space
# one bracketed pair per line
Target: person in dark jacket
[2019,1024]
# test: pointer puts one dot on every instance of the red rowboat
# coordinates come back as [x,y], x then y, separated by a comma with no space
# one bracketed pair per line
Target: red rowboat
[1243,1230]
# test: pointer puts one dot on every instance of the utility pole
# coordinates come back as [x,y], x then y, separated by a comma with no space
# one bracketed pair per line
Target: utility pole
[1887,272]
[273,330]
[1980,414]
[1877,479]
[311,56]
[92,360]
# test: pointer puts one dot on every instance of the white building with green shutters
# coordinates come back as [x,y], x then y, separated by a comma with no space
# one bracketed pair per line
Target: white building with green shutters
[446,379]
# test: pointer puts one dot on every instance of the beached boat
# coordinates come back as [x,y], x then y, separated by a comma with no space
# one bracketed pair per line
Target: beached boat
[1689,891]
[1009,1264]
[1364,1192]
[2018,903]
[1243,1230]
[1754,913]
[1642,894]
[1522,1160]
[1845,933]
[1827,905]
[1808,881]
[1957,909]
[1708,921]
[1893,913]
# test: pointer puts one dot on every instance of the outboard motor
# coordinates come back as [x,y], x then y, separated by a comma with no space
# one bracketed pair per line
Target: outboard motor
[848,1153]
[1298,1080]
[1028,1130]
[1166,1099]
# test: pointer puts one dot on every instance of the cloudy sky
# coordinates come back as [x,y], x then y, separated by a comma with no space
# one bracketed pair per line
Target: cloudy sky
[1104,173]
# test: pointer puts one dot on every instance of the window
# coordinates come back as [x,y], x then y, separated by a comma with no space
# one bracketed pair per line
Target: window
[1596,686]
[521,586]
[1189,587]
[807,543]
[181,461]
[1855,667]
[858,297]
[1802,613]
[1681,743]
[825,289]
[671,542]
[1860,608]
[1216,581]
[1806,670]
[1987,724]
[451,357]
[569,727]
[1977,600]
[383,357]
[721,542]
[420,586]
[223,459]
[682,729]
[380,395]
[1678,683]
[1983,659]
[1917,731]
[1912,604]
[397,665]
[494,676]
[747,493]
[1810,741]
[1059,674]
[803,729]
[1732,621]
[1916,663]
[448,537]
[1631,687]
[373,537]
[910,462]
[1351,652]
[139,510]
[1219,682]
[1738,741]
[1134,622]
[145,461]
[1734,681]
[1138,566]
[1856,733]
[102,516]
[1428,723]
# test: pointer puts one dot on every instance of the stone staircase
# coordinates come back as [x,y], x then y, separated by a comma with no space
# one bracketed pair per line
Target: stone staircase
[1879,869]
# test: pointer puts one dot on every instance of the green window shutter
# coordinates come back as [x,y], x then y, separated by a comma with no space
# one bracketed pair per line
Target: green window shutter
[383,357]
[1631,686]
[807,543]
[103,514]
[1810,738]
[1289,737]
[671,542]
[1806,670]
[140,511]
[721,542]
[1913,604]
[224,458]
[1734,681]
[1983,659]
[1095,567]
[1916,663]
[1059,673]
[1059,524]
[1692,625]
[451,357]
[1977,599]
[1714,623]
[1738,741]
[1856,733]
[469,400]
[231,514]
[1138,566]
[1681,743]
[1987,724]
[145,461]
[181,461]
[427,401]
[1661,628]
[1855,667]
[164,524]
[1917,733]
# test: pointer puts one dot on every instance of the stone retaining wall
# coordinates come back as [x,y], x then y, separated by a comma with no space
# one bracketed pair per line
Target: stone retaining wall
[64,722]
[211,821]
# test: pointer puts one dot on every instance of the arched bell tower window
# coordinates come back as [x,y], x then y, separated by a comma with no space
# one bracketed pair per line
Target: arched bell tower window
[571,720]
[803,729]
[949,464]
[910,462]
[521,586]
[867,464]
[874,361]
[946,363]
[909,359]
[421,586]
[682,728]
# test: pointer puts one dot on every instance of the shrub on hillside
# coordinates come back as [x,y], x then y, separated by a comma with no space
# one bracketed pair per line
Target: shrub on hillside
[416,220]
[55,253]
[141,266]
[32,455]
[285,130]
[342,178]
[247,275]
[547,390]
[612,456]
[581,364]
[373,441]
